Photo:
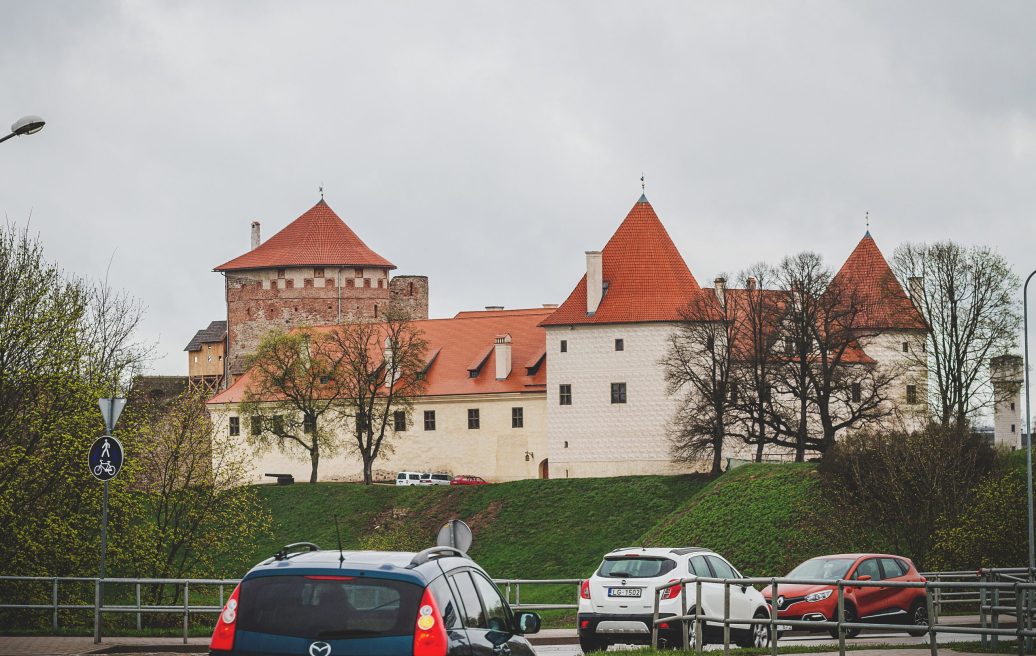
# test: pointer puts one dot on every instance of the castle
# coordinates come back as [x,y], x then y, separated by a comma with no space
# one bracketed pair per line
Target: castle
[560,391]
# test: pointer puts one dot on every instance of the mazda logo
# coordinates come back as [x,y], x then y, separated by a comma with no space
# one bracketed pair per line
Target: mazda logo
[320,649]
[780,601]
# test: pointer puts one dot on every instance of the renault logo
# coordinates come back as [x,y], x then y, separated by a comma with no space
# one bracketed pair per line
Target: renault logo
[780,604]
[320,649]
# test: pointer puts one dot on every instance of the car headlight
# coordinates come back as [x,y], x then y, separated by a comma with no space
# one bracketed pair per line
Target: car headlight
[817,596]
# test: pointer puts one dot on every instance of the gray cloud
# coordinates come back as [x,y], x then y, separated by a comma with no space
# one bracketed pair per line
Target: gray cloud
[488,144]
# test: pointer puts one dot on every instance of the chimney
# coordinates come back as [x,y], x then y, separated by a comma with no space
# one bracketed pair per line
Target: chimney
[594,281]
[503,356]
[721,291]
[255,235]
[916,284]
[752,282]
[494,308]
[550,306]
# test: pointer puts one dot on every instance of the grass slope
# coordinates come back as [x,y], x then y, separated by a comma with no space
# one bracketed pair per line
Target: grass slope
[753,515]
[534,529]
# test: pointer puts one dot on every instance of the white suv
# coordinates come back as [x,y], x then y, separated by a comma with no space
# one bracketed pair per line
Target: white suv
[616,603]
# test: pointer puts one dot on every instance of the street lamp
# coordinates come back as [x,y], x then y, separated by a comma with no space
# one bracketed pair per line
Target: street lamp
[25,125]
[1028,417]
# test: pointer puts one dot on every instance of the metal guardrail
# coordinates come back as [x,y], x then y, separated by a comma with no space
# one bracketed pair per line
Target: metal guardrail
[1023,610]
[100,607]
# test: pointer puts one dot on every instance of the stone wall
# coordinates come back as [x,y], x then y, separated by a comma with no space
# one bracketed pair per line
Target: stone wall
[411,293]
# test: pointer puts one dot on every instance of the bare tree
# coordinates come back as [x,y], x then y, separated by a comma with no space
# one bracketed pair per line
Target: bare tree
[698,367]
[378,377]
[968,297]
[294,394]
[755,365]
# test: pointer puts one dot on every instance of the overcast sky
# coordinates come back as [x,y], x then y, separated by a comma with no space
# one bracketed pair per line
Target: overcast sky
[487,145]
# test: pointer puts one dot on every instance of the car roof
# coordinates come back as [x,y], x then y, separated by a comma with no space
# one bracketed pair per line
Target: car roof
[409,565]
[856,556]
[656,552]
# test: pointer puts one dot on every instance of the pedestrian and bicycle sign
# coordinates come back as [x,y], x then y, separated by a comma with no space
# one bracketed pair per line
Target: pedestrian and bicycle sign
[105,458]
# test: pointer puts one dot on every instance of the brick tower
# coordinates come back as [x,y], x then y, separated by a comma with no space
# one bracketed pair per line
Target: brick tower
[315,271]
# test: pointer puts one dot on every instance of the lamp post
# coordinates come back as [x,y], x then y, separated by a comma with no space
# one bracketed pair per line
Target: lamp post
[25,125]
[1028,417]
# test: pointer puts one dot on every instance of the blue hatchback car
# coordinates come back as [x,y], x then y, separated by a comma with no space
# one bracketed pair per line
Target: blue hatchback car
[308,602]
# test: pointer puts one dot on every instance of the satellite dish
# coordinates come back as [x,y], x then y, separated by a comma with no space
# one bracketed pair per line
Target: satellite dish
[456,534]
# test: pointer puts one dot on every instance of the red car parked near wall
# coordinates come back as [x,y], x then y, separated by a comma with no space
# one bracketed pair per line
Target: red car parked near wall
[468,480]
[882,605]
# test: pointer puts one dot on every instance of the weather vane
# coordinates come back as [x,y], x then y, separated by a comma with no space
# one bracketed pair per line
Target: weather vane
[867,216]
[642,188]
[321,190]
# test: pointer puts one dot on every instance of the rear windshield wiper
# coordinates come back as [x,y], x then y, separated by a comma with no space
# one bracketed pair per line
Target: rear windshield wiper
[346,633]
[618,575]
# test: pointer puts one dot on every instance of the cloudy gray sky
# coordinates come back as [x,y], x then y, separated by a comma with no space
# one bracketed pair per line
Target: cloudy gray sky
[488,144]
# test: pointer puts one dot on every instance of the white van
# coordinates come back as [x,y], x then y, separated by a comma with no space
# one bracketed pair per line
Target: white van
[409,478]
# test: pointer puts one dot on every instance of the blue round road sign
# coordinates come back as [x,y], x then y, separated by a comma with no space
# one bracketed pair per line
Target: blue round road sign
[105,458]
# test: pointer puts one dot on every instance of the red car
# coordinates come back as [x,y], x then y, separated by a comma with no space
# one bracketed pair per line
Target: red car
[889,605]
[468,480]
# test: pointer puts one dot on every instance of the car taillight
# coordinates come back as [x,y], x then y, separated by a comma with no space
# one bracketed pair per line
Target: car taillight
[584,589]
[672,592]
[429,631]
[223,636]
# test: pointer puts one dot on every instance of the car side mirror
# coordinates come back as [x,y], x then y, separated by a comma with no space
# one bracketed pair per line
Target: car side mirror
[526,623]
[864,577]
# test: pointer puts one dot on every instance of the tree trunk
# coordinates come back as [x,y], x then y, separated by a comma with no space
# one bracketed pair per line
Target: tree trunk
[314,461]
[800,436]
[717,448]
[761,437]
[368,468]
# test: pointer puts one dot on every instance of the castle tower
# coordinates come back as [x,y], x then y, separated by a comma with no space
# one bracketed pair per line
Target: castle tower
[899,333]
[316,271]
[1006,373]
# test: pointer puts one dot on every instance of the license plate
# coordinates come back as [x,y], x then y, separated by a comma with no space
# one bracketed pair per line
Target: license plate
[623,592]
[785,627]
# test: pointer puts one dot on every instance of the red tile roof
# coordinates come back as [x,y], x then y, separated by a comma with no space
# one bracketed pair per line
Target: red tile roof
[457,342]
[646,276]
[317,238]
[883,303]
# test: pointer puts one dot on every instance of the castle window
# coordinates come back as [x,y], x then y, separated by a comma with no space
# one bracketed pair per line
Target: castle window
[410,288]
[399,421]
[429,420]
[349,282]
[290,283]
[278,425]
[257,425]
[235,426]
[358,273]
[856,392]
[473,420]
[564,346]
[381,282]
[375,310]
[366,282]
[566,444]
[1012,428]
[329,282]
[618,392]
[620,345]
[1012,405]
[911,394]
[280,273]
[517,417]
[906,347]
[564,394]
[318,273]
[309,425]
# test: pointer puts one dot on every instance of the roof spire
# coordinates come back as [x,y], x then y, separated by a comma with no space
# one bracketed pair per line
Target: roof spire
[867,217]
[643,196]
[321,190]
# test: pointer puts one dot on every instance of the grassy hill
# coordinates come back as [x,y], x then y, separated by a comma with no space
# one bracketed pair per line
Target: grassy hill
[534,529]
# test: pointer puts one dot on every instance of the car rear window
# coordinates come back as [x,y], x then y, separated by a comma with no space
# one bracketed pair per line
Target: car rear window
[328,608]
[635,567]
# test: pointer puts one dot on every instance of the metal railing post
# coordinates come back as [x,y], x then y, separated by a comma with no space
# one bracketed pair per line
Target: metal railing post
[726,618]
[995,618]
[699,634]
[518,594]
[1019,623]
[654,623]
[841,617]
[932,620]
[54,600]
[507,593]
[138,606]
[982,606]
[773,617]
[97,612]
[186,608]
[684,637]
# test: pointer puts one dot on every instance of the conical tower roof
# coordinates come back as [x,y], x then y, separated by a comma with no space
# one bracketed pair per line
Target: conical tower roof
[317,238]
[647,279]
[883,303]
